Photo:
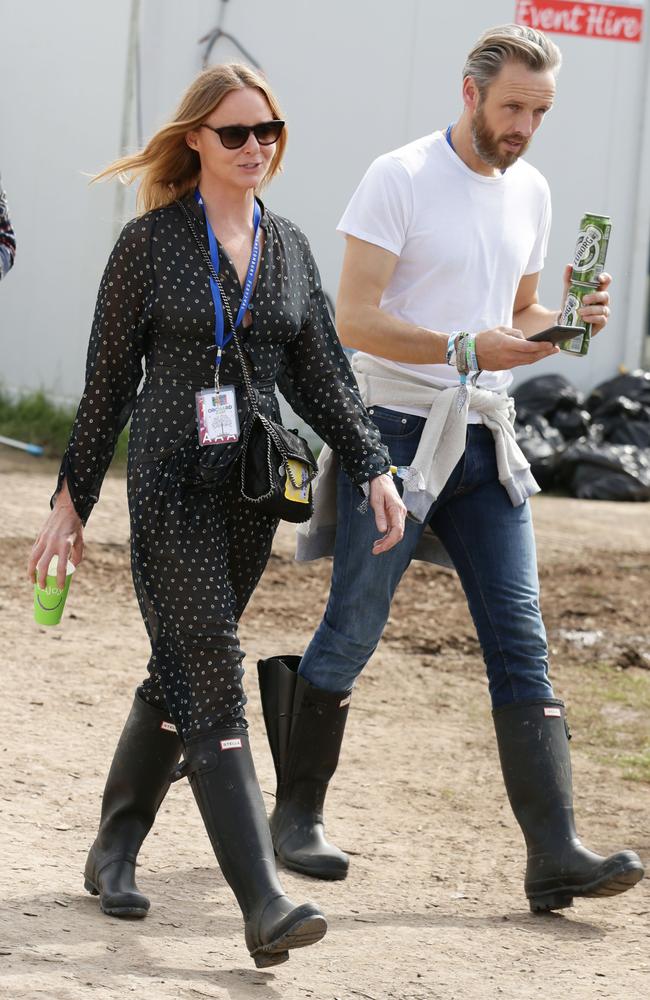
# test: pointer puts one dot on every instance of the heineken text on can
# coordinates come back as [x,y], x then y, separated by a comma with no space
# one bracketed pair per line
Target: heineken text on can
[591,249]
[580,343]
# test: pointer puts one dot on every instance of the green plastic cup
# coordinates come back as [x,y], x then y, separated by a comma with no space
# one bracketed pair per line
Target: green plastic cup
[49,602]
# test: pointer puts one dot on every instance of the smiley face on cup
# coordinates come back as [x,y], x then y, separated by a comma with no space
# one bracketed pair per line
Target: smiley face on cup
[44,597]
[49,600]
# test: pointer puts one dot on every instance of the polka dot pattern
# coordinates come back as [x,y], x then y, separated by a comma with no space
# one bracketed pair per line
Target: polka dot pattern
[197,548]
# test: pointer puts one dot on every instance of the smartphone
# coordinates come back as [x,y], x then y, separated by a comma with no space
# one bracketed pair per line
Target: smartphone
[556,334]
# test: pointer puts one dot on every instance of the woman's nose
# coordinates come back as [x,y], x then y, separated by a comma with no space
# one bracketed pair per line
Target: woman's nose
[251,145]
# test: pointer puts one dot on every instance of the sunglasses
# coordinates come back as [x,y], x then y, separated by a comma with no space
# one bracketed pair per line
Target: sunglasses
[236,136]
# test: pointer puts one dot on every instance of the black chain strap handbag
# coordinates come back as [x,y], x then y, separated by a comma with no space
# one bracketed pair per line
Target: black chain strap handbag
[277,465]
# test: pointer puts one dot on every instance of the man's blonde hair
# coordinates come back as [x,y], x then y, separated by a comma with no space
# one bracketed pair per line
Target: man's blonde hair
[510,43]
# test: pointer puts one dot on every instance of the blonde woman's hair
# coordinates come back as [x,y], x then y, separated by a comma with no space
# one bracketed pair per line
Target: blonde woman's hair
[510,43]
[167,168]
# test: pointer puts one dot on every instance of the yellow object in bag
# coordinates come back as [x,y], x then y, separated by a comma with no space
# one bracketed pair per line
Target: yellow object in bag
[300,473]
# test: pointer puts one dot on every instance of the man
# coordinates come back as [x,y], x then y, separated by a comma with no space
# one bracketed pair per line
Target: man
[7,238]
[446,238]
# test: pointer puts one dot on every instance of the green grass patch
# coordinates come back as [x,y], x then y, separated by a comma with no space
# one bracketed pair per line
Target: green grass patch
[630,688]
[610,711]
[636,766]
[35,419]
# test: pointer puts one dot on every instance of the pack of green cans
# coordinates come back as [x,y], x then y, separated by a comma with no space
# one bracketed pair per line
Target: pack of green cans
[588,265]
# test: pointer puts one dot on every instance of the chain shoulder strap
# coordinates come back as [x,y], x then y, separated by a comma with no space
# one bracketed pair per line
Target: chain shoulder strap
[248,385]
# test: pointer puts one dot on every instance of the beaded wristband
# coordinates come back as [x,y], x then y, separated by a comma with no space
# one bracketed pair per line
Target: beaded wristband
[475,358]
[471,354]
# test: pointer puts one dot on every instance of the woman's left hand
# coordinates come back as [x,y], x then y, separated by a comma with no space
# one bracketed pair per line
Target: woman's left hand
[390,513]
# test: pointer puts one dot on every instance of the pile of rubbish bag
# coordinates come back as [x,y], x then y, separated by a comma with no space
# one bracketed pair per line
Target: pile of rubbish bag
[595,447]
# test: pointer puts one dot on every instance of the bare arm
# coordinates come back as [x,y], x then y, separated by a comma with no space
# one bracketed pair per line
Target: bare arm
[363,325]
[528,314]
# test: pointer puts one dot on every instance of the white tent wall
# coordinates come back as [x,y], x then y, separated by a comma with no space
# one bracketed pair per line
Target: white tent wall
[64,67]
[355,79]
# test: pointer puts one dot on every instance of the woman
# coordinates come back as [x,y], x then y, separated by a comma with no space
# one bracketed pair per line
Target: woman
[198,548]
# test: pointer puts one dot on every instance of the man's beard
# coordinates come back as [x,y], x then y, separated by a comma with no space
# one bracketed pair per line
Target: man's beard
[486,143]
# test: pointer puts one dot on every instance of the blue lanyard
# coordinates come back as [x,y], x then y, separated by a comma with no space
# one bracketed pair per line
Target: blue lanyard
[220,336]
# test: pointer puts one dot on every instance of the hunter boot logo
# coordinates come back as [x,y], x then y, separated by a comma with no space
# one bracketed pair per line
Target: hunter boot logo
[234,744]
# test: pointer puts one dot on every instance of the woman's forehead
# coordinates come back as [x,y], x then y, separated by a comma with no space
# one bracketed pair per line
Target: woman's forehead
[244,106]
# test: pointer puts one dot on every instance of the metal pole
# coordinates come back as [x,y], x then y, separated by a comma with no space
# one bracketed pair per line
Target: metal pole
[635,311]
[127,110]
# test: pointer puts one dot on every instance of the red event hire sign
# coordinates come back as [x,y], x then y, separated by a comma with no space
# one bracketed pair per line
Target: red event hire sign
[594,20]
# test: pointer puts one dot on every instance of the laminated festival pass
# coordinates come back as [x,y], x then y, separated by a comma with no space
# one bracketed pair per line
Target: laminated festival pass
[216,412]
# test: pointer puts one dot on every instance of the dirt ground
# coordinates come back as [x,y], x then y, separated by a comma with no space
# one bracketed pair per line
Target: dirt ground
[433,908]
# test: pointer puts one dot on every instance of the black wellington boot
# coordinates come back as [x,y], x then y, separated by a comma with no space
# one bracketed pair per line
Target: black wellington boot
[534,750]
[305,727]
[222,776]
[137,782]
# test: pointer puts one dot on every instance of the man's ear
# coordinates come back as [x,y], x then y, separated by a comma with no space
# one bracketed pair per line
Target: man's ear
[471,96]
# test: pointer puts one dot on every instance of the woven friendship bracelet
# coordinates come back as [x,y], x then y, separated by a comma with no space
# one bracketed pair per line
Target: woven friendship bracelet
[462,364]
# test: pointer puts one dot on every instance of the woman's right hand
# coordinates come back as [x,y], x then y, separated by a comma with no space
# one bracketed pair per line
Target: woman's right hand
[505,347]
[389,511]
[62,536]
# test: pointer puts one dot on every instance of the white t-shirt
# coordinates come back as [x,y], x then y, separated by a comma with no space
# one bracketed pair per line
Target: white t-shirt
[464,241]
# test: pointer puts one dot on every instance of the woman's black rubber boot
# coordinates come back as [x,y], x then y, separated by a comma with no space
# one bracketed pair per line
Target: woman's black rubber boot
[533,744]
[305,727]
[137,782]
[222,777]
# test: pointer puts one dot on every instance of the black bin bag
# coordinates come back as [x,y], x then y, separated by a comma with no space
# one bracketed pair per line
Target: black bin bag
[633,385]
[597,470]
[541,444]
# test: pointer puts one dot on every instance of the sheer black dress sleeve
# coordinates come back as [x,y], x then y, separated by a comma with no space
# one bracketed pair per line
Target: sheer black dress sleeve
[113,366]
[316,380]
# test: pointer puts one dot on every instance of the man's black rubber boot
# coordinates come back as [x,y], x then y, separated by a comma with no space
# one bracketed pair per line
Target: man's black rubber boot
[305,727]
[137,782]
[533,744]
[222,777]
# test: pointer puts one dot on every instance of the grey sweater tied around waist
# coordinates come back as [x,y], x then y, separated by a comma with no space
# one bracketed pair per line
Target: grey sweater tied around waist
[441,446]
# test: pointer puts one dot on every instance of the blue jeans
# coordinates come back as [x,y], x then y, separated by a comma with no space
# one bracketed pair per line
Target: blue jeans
[492,546]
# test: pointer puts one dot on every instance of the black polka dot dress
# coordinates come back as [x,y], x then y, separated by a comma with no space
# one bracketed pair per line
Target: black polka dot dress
[197,548]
